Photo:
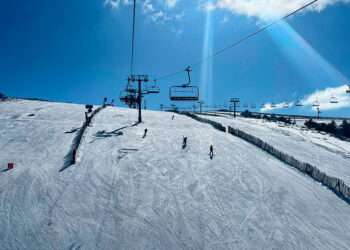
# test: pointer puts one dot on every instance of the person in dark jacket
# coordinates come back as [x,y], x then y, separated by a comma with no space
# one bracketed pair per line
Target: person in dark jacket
[211,151]
[145,133]
[184,142]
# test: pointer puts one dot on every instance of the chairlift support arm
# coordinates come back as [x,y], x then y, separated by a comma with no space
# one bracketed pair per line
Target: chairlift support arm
[188,70]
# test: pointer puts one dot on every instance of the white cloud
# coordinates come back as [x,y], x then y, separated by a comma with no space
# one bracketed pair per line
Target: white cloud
[281,105]
[158,11]
[171,3]
[324,96]
[271,9]
[225,19]
[147,7]
[159,16]
[207,5]
[115,4]
[180,15]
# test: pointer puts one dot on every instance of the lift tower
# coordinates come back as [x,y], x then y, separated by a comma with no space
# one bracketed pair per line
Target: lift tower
[234,101]
[140,79]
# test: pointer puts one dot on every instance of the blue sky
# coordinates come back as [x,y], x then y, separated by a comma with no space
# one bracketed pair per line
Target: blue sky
[79,51]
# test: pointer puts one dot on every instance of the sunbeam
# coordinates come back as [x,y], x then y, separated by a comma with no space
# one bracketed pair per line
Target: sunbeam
[309,63]
[207,66]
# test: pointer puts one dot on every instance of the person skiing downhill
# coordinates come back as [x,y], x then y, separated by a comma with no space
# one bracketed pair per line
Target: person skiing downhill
[211,153]
[184,142]
[145,133]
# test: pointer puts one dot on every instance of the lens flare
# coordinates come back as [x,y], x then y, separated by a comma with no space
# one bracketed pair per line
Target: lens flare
[309,63]
[207,66]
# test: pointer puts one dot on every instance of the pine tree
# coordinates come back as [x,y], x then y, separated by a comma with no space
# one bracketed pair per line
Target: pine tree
[331,127]
[345,129]
[2,96]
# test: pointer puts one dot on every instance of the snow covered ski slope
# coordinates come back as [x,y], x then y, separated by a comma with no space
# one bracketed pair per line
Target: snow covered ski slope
[329,154]
[130,192]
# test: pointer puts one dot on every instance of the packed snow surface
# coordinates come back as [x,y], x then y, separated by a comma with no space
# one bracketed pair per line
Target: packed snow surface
[328,153]
[130,192]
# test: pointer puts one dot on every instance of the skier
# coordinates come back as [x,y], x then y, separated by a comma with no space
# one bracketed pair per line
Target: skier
[87,118]
[184,142]
[145,133]
[211,153]
[172,118]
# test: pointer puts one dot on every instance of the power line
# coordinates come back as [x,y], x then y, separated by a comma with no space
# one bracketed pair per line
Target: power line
[133,39]
[243,39]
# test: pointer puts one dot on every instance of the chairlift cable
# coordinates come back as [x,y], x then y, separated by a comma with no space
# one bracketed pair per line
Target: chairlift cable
[240,40]
[133,39]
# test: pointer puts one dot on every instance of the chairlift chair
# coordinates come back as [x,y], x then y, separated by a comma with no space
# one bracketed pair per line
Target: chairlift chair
[184,92]
[316,104]
[253,106]
[273,105]
[333,100]
[153,89]
[286,105]
[128,98]
[348,90]
[130,90]
[298,104]
[245,105]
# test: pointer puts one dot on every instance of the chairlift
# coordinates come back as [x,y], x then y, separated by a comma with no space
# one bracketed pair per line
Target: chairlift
[128,98]
[185,92]
[286,105]
[245,105]
[348,90]
[153,89]
[253,106]
[298,104]
[333,100]
[316,104]
[129,89]
[273,105]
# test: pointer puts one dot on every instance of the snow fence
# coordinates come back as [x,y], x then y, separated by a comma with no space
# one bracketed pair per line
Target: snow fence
[336,185]
[216,125]
[71,157]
